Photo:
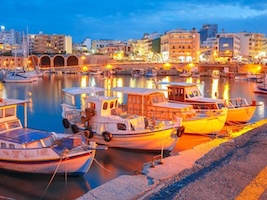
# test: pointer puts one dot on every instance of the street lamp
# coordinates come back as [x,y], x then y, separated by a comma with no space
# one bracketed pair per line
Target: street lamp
[83,58]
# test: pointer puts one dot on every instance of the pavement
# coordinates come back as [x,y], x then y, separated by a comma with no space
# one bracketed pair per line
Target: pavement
[233,167]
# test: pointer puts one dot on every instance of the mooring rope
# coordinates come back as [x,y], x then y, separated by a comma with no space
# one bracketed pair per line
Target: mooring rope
[52,178]
[7,198]
[125,173]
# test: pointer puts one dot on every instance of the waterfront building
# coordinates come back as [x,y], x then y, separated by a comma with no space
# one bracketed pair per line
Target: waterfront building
[50,44]
[152,47]
[252,46]
[139,49]
[97,44]
[206,49]
[11,61]
[79,49]
[226,47]
[180,46]
[88,43]
[208,31]
[9,37]
[116,51]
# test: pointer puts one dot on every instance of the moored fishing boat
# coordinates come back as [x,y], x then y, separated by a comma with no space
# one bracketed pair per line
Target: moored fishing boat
[261,88]
[14,77]
[150,72]
[239,110]
[28,150]
[104,122]
[137,72]
[153,104]
[95,72]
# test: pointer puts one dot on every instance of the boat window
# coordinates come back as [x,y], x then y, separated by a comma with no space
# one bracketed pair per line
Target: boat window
[195,93]
[47,141]
[10,112]
[161,98]
[171,97]
[1,113]
[111,104]
[3,145]
[105,106]
[91,105]
[155,99]
[12,125]
[121,126]
[191,94]
[11,146]
[221,105]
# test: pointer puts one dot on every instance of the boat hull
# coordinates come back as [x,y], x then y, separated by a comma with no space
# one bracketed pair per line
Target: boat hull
[45,161]
[206,126]
[241,114]
[162,139]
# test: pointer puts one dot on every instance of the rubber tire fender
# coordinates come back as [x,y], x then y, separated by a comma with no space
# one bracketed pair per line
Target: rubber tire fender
[88,133]
[107,136]
[66,123]
[146,122]
[180,131]
[74,128]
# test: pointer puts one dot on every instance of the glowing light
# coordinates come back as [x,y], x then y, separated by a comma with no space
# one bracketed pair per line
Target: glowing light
[109,66]
[226,91]
[191,65]
[214,89]
[83,82]
[166,65]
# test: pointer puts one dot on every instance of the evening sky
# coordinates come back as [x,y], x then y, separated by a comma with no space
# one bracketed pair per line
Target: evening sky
[124,19]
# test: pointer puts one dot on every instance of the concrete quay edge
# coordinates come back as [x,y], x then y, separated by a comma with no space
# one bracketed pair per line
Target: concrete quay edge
[153,179]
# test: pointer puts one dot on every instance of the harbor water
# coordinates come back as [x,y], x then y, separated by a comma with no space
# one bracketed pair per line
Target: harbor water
[44,112]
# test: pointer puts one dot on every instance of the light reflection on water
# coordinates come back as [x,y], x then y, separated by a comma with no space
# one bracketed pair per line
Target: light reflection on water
[45,113]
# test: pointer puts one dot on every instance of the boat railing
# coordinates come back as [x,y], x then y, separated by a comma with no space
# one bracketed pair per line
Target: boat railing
[237,102]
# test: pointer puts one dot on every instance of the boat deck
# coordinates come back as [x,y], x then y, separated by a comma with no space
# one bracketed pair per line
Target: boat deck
[24,135]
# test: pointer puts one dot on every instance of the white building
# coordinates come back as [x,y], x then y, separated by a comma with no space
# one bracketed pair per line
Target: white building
[226,46]
[97,44]
[252,46]
[10,37]
[88,43]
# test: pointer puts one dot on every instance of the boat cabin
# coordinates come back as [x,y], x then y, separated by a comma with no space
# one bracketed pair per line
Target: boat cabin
[152,103]
[106,115]
[190,93]
[13,134]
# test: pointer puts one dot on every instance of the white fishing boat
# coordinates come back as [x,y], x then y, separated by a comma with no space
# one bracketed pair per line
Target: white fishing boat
[251,76]
[185,74]
[239,110]
[137,72]
[34,74]
[104,122]
[153,104]
[14,77]
[95,72]
[27,150]
[215,74]
[261,87]
[150,72]
[195,74]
